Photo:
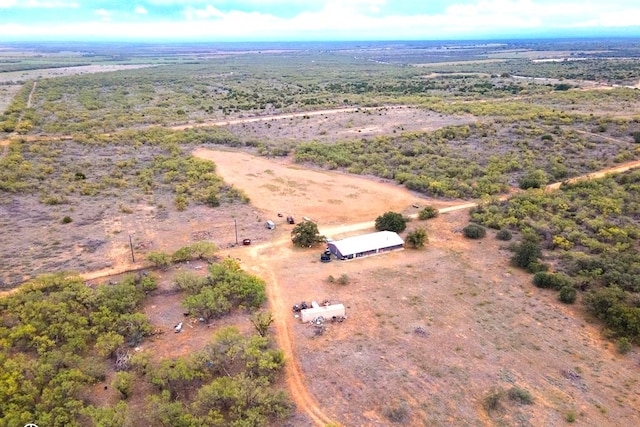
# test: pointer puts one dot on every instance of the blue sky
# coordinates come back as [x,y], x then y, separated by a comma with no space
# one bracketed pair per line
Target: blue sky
[276,20]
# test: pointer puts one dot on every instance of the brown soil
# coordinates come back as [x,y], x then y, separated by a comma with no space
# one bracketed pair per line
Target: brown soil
[429,331]
[336,124]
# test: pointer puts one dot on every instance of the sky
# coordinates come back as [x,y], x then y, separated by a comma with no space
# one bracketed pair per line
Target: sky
[314,20]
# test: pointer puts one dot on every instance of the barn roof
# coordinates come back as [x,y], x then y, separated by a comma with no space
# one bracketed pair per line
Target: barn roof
[367,242]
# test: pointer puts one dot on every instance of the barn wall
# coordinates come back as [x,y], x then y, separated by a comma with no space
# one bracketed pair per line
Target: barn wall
[334,250]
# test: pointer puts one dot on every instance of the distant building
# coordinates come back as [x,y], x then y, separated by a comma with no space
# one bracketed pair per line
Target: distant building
[366,244]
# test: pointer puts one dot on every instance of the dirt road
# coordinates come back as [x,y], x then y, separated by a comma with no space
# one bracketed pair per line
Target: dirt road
[277,117]
[33,89]
[623,167]
[260,265]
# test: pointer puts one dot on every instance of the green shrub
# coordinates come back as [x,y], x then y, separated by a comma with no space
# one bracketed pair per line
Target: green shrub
[344,279]
[474,231]
[391,221]
[568,294]
[181,255]
[212,199]
[636,137]
[417,238]
[428,212]
[562,87]
[181,202]
[160,259]
[203,250]
[536,267]
[533,179]
[123,382]
[504,234]
[520,395]
[67,219]
[149,283]
[623,345]
[555,281]
[526,252]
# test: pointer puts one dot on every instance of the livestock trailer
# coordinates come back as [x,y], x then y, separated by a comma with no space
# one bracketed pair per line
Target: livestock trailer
[326,311]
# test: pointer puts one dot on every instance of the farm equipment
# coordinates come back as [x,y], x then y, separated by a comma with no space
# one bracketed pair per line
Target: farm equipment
[325,258]
[299,307]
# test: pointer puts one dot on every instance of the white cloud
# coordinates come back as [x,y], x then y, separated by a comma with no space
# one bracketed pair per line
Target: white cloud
[350,19]
[51,4]
[104,14]
[37,4]
[140,10]
[208,12]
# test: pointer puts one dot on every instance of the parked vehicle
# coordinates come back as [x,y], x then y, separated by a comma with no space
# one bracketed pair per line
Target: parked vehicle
[325,256]
[290,220]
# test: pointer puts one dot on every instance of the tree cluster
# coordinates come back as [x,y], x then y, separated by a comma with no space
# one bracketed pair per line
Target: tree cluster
[590,231]
[225,287]
[55,335]
[228,383]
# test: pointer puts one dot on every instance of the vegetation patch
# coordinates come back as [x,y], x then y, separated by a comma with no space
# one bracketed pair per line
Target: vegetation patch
[474,231]
[61,337]
[598,221]
[391,221]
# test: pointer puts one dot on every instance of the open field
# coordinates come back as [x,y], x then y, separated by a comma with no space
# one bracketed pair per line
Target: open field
[207,145]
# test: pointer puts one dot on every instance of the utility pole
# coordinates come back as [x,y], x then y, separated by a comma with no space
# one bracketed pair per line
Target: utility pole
[235,224]
[133,258]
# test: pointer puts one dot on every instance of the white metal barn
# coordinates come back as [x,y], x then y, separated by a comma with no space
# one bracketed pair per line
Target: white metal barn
[366,244]
[326,311]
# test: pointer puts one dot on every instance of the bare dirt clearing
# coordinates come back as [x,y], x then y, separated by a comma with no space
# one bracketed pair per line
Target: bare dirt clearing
[7,93]
[337,124]
[429,332]
[18,77]
[328,198]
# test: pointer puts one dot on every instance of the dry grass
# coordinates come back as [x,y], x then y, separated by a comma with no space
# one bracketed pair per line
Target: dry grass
[480,325]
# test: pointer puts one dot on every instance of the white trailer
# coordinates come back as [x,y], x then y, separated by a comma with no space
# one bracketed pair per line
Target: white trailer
[327,312]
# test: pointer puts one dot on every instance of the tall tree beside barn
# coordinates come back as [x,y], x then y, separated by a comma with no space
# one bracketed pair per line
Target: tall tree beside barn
[391,221]
[306,234]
